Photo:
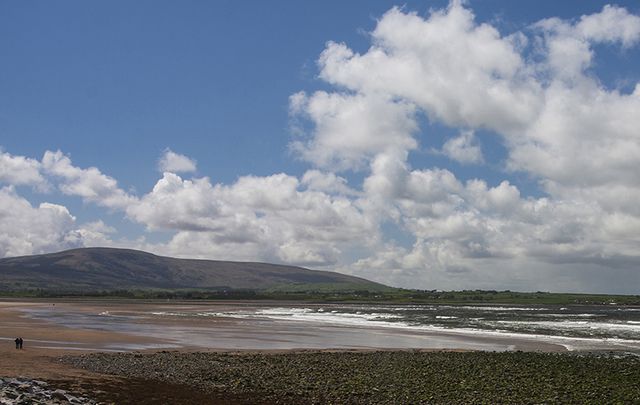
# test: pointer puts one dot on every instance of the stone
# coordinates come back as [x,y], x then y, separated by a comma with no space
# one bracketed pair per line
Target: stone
[59,394]
[23,391]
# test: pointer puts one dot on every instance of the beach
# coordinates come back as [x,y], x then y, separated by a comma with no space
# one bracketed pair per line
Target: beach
[164,340]
[124,325]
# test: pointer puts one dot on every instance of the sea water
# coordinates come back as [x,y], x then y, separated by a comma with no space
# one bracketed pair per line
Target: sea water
[606,322]
[299,325]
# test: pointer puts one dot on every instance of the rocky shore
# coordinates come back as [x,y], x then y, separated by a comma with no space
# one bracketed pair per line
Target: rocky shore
[22,391]
[382,377]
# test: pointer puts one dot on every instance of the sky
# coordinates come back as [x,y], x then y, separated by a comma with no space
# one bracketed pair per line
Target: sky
[424,144]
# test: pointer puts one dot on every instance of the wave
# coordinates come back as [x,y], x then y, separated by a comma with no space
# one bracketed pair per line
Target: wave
[375,320]
[609,327]
[573,331]
[494,308]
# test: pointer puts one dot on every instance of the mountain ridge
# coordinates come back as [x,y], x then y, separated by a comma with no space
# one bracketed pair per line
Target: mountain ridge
[102,268]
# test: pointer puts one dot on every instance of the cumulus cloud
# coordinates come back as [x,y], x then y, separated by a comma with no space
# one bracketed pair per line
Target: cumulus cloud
[463,149]
[326,182]
[612,24]
[349,129]
[584,137]
[45,228]
[90,184]
[277,218]
[459,72]
[20,170]
[99,234]
[266,218]
[558,123]
[177,204]
[30,230]
[536,90]
[568,46]
[176,163]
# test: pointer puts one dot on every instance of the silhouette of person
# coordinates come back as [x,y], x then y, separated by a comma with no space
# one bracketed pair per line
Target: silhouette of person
[17,342]
[21,341]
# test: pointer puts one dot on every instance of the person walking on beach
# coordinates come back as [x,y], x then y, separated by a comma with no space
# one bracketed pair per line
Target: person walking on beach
[20,342]
[17,342]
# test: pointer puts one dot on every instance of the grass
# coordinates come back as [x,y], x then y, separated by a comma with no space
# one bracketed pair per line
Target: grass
[344,293]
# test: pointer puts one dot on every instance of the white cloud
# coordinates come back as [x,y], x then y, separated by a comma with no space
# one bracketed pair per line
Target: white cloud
[256,218]
[48,227]
[569,46]
[30,230]
[90,184]
[584,136]
[460,73]
[559,125]
[349,129]
[97,233]
[177,204]
[463,149]
[20,170]
[612,24]
[326,182]
[176,163]
[467,75]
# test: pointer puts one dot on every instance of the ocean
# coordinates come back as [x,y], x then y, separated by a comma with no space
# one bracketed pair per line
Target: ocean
[574,327]
[283,325]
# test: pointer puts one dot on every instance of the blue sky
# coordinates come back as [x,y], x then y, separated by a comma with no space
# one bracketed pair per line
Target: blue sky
[117,85]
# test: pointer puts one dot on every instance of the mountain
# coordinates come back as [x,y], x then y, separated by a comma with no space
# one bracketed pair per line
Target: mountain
[99,269]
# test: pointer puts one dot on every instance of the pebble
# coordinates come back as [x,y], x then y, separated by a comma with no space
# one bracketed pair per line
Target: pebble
[20,391]
[385,377]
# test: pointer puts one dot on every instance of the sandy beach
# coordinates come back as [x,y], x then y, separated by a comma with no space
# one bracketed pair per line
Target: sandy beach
[59,328]
[129,325]
[46,342]
[47,338]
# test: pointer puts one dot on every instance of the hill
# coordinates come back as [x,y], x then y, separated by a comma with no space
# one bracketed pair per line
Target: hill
[100,269]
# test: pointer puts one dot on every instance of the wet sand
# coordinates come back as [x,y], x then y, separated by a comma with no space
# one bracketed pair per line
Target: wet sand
[125,328]
[138,325]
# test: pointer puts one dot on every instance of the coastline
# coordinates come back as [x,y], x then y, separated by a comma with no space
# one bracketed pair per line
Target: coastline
[125,325]
[118,366]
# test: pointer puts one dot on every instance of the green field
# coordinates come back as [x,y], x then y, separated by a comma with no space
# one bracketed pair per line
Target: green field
[346,293]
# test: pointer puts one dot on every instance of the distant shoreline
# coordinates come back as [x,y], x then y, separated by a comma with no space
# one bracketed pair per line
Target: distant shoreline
[304,293]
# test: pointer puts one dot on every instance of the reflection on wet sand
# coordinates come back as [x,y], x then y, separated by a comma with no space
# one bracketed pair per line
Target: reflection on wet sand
[244,326]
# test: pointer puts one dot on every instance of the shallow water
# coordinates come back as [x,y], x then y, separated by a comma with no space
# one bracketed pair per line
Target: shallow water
[604,322]
[266,326]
